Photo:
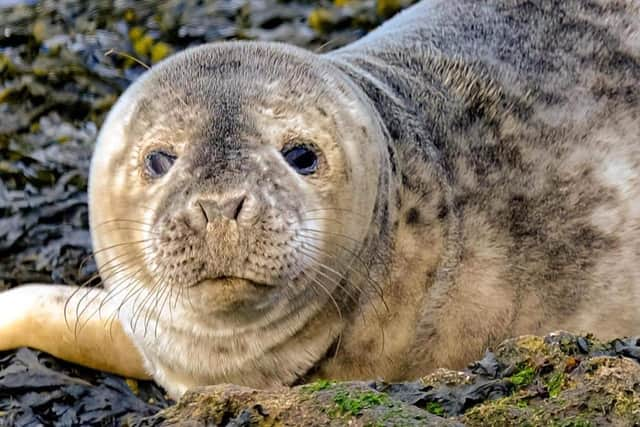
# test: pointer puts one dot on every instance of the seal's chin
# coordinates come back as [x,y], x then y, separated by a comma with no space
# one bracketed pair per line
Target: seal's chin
[222,294]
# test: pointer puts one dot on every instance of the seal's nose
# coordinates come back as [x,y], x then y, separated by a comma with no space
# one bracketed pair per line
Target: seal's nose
[229,208]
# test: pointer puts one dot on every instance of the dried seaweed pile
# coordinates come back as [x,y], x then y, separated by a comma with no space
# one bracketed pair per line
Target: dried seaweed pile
[37,389]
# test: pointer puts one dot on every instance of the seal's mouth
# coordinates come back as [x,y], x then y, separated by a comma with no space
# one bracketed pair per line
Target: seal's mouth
[231,281]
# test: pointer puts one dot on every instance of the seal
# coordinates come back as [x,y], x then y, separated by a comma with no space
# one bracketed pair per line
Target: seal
[264,215]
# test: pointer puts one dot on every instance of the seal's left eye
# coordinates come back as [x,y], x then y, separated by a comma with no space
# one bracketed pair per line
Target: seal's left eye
[302,159]
[158,163]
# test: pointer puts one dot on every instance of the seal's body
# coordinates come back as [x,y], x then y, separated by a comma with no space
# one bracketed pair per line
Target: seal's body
[467,172]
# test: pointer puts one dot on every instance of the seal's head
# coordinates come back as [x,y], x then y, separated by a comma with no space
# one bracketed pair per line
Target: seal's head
[234,181]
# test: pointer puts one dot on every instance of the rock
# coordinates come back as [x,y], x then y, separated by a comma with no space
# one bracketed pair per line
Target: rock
[320,404]
[560,379]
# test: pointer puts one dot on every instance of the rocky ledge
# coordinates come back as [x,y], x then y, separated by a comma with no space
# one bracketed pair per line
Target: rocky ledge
[560,380]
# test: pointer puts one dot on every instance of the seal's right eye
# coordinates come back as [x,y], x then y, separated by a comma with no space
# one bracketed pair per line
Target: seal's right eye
[158,162]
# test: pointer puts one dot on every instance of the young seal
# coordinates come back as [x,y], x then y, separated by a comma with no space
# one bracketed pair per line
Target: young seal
[262,215]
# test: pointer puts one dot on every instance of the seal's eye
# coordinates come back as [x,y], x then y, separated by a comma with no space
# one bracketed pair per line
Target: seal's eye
[158,163]
[302,159]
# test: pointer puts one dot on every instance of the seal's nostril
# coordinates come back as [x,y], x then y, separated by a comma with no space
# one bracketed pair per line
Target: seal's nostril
[209,210]
[203,210]
[231,208]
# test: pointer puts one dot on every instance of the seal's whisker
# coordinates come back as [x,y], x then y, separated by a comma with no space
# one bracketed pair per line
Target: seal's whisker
[306,219]
[317,251]
[149,297]
[116,289]
[342,210]
[336,282]
[326,291]
[166,299]
[340,276]
[130,287]
[97,311]
[378,287]
[123,244]
[116,220]
[157,300]
[106,267]
[331,233]
[317,241]
[84,262]
[123,268]
[84,286]
[133,229]
[362,313]
[188,294]
[178,296]
[315,234]
[134,291]
[96,275]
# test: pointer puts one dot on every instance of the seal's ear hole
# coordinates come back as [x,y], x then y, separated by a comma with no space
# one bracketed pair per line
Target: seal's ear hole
[302,159]
[158,162]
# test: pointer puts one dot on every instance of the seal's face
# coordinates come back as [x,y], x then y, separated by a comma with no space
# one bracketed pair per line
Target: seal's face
[224,183]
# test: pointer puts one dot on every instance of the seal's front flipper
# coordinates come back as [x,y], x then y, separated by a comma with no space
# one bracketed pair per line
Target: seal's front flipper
[34,316]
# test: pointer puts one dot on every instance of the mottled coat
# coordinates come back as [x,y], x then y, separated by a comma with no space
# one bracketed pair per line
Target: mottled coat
[514,137]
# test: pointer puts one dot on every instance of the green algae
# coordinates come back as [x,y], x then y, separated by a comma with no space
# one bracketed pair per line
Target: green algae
[318,385]
[555,384]
[523,377]
[353,403]
[435,408]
